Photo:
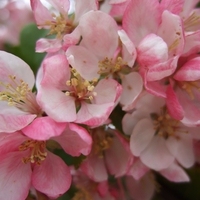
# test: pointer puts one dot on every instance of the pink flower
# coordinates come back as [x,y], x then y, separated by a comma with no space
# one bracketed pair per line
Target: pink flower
[17,102]
[25,162]
[157,138]
[110,154]
[60,24]
[75,97]
[159,38]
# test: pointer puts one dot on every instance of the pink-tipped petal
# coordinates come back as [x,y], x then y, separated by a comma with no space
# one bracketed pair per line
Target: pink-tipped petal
[173,105]
[152,50]
[48,45]
[75,140]
[190,71]
[175,173]
[138,170]
[43,128]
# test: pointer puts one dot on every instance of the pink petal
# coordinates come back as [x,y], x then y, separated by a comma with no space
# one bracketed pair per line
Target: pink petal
[141,136]
[192,43]
[12,65]
[157,156]
[10,123]
[52,177]
[60,5]
[94,114]
[128,49]
[94,168]
[108,91]
[138,170]
[152,50]
[141,18]
[43,128]
[155,88]
[175,173]
[92,33]
[15,176]
[55,72]
[171,30]
[10,142]
[190,71]
[48,45]
[119,8]
[75,140]
[173,105]
[61,108]
[142,189]
[118,160]
[83,61]
[84,6]
[185,153]
[132,87]
[162,70]
[41,13]
[191,110]
[174,7]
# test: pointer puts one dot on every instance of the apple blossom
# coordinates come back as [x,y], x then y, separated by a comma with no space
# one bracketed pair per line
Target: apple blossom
[75,97]
[25,162]
[60,22]
[17,101]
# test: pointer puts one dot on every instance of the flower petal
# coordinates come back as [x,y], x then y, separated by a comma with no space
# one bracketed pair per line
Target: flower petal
[75,140]
[43,128]
[52,177]
[15,176]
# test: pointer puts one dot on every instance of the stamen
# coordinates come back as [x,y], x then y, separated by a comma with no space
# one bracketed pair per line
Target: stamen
[80,88]
[164,125]
[191,21]
[188,86]
[102,141]
[17,93]
[37,148]
[109,66]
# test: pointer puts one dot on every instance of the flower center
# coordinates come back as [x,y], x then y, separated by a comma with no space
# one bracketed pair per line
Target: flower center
[102,141]
[109,66]
[60,26]
[164,125]
[37,149]
[80,88]
[18,94]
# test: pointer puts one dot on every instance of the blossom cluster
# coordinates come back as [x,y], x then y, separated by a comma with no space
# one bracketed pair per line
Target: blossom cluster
[141,57]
